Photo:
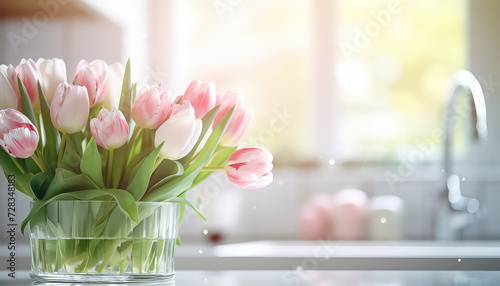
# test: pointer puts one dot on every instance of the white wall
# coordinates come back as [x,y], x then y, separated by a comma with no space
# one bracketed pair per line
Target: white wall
[69,39]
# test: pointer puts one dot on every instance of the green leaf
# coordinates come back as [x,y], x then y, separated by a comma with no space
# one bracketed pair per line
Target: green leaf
[183,201]
[52,138]
[219,159]
[72,152]
[23,185]
[37,184]
[134,92]
[91,163]
[26,106]
[48,166]
[119,163]
[130,172]
[8,165]
[140,182]
[182,183]
[167,170]
[207,121]
[182,212]
[126,94]
[125,201]
[31,166]
[138,158]
[66,181]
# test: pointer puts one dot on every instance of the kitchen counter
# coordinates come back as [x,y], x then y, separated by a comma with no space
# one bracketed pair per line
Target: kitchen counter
[335,255]
[300,277]
[329,255]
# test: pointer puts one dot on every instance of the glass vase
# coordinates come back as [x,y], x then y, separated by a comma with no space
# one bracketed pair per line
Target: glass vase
[94,241]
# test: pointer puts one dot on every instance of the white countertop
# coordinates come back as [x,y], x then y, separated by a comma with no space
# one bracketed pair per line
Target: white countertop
[316,278]
[330,255]
[333,255]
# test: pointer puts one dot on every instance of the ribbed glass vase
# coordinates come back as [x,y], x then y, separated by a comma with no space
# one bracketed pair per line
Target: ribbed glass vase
[94,241]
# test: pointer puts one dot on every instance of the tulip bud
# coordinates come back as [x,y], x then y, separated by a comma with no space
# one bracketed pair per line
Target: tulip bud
[8,98]
[202,97]
[180,133]
[110,128]
[250,168]
[240,120]
[151,107]
[53,73]
[69,110]
[113,80]
[18,136]
[30,76]
[92,77]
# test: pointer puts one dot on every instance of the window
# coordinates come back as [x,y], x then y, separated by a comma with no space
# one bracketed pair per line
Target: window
[393,85]
[387,60]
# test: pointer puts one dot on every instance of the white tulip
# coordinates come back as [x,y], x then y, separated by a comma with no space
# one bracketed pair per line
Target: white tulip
[53,73]
[8,98]
[113,80]
[180,133]
[3,69]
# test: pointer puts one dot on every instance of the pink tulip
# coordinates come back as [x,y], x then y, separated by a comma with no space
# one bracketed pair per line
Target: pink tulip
[53,72]
[176,108]
[240,120]
[151,107]
[18,136]
[30,76]
[179,133]
[110,128]
[100,66]
[69,110]
[250,168]
[202,97]
[92,75]
[226,102]
[237,127]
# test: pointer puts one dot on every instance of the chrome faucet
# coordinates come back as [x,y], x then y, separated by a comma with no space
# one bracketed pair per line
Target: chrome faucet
[459,211]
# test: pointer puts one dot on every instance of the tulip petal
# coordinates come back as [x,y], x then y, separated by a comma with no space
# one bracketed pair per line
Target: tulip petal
[250,168]
[69,110]
[180,133]
[8,98]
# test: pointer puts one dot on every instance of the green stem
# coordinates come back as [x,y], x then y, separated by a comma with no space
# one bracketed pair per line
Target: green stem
[213,169]
[21,168]
[39,163]
[62,147]
[132,143]
[110,167]
[40,143]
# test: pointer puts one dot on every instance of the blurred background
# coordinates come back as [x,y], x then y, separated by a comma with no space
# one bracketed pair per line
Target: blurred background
[350,96]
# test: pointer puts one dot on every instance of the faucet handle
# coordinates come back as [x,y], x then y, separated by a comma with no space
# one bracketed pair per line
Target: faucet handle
[457,201]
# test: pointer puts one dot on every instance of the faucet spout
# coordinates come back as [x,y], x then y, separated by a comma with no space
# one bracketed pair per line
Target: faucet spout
[464,79]
[461,211]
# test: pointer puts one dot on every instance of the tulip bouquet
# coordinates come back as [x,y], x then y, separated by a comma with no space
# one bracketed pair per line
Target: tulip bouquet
[97,139]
